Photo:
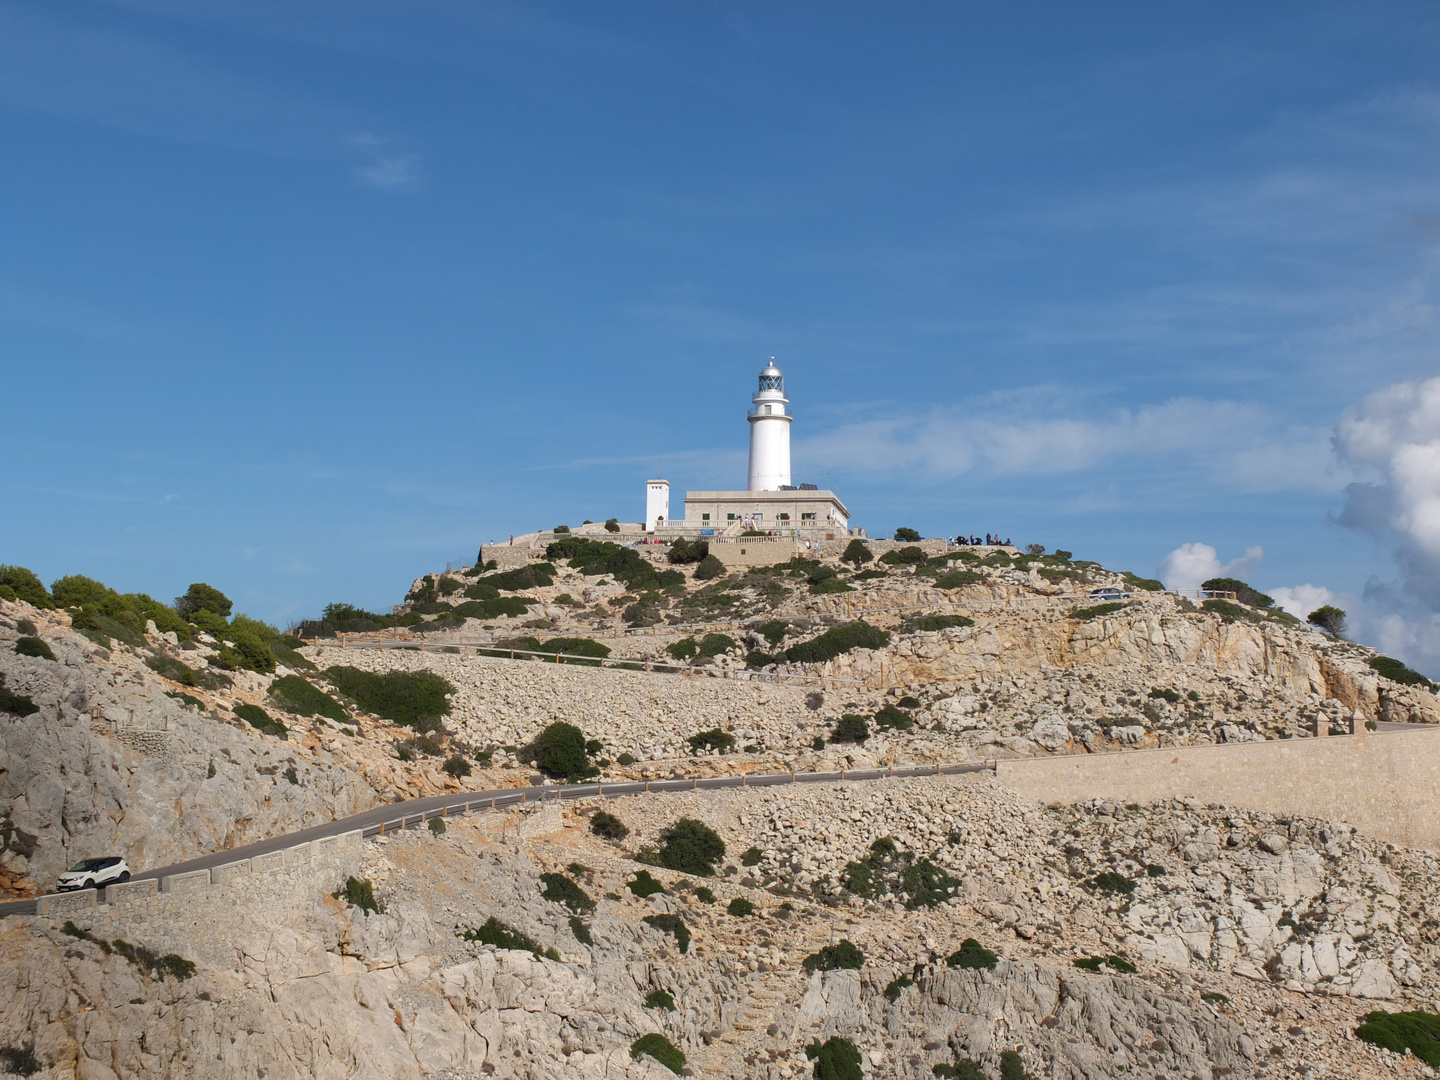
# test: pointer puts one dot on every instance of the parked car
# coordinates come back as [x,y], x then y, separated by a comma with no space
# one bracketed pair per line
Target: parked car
[1108,595]
[92,873]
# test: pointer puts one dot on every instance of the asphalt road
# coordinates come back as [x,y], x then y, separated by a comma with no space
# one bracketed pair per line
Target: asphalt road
[415,812]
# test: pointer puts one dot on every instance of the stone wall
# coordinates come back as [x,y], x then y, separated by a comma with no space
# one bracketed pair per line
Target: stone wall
[1386,785]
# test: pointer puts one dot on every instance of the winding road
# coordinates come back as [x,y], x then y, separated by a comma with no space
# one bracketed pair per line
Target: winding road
[414,813]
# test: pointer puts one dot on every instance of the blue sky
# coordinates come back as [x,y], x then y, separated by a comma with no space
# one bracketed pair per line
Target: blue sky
[306,299]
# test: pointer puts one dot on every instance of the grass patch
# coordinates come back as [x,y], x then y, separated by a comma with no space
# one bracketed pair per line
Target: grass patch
[1099,611]
[156,965]
[1395,671]
[1231,612]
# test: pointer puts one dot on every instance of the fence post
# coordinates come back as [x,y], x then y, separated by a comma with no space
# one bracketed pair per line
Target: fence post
[492,802]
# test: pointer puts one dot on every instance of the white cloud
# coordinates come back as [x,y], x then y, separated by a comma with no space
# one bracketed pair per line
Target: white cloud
[1300,600]
[1185,568]
[389,173]
[1038,432]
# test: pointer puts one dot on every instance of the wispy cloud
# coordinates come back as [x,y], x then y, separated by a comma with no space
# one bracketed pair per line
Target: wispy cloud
[389,173]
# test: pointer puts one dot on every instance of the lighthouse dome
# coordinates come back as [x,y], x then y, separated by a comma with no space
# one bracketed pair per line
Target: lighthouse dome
[771,378]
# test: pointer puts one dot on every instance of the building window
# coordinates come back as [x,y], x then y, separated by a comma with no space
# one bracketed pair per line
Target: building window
[758,517]
[729,517]
[784,517]
[807,517]
[704,517]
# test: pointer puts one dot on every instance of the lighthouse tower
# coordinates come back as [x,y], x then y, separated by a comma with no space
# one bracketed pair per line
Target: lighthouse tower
[770,433]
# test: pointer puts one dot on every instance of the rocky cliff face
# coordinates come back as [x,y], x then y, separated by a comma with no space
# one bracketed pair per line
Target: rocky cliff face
[290,982]
[111,765]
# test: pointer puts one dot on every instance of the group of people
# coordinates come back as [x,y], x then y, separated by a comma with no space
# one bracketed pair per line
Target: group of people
[989,541]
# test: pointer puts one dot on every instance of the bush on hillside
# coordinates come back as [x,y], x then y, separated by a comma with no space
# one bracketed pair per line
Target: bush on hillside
[26,585]
[495,608]
[856,553]
[304,699]
[850,729]
[1099,611]
[559,753]
[481,591]
[740,908]
[908,536]
[1244,594]
[924,884]
[958,579]
[1417,1032]
[836,1058]
[612,525]
[684,551]
[840,956]
[683,649]
[559,889]
[673,925]
[691,847]
[245,646]
[773,631]
[644,885]
[202,597]
[596,557]
[608,827]
[939,622]
[661,1049]
[1395,671]
[972,955]
[905,556]
[15,704]
[660,999]
[457,767]
[33,646]
[714,739]
[1230,612]
[836,641]
[533,576]
[259,719]
[496,933]
[890,718]
[1142,584]
[710,568]
[416,699]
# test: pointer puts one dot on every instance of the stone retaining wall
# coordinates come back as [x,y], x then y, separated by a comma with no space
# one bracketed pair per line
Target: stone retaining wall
[1386,785]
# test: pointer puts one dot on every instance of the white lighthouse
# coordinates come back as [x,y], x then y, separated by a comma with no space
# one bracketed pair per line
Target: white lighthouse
[770,432]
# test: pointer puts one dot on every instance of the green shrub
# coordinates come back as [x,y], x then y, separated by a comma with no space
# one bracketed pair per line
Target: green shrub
[972,955]
[709,569]
[559,752]
[837,641]
[939,622]
[575,646]
[843,954]
[533,576]
[1230,613]
[580,930]
[908,536]
[856,553]
[1012,1066]
[683,649]
[1417,1032]
[15,704]
[755,659]
[77,590]
[661,1049]
[830,585]
[660,999]
[835,1059]
[259,719]
[27,586]
[596,557]
[607,826]
[1115,963]
[1244,594]
[360,893]
[1111,882]
[627,759]
[153,964]
[716,644]
[436,825]
[957,579]
[963,1069]
[890,718]
[925,885]
[612,525]
[416,699]
[1395,671]
[691,847]
[684,551]
[905,556]
[644,885]
[1097,612]
[202,597]
[740,907]
[704,895]
[559,889]
[305,699]
[673,925]
[482,591]
[714,739]
[851,728]
[33,646]
[21,1060]
[245,646]
[457,767]
[496,933]
[908,702]
[896,986]
[752,857]
[860,879]
[1155,870]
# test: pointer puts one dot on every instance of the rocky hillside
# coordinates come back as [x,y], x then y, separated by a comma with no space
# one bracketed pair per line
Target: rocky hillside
[1257,950]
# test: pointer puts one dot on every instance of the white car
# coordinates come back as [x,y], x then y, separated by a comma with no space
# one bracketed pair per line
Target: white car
[1108,594]
[91,873]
